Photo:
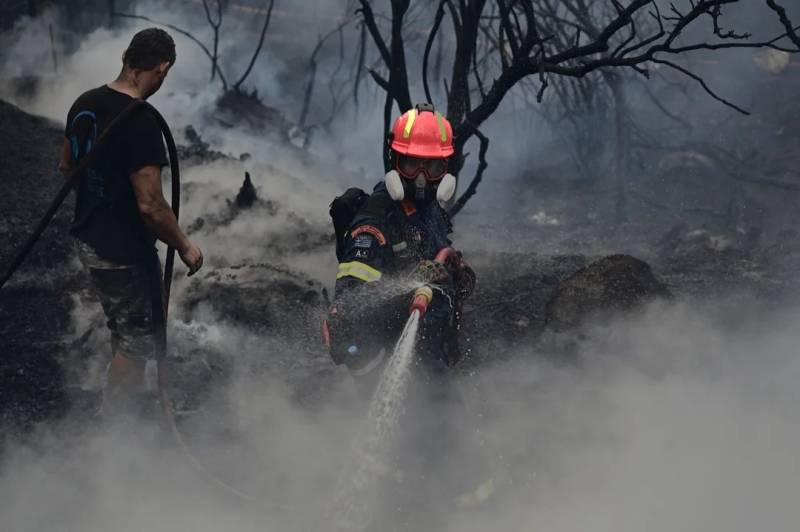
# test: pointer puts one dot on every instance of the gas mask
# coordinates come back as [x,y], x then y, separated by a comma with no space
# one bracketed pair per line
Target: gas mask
[420,180]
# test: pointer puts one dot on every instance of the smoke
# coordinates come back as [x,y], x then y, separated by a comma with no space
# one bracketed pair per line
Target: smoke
[678,419]
[673,423]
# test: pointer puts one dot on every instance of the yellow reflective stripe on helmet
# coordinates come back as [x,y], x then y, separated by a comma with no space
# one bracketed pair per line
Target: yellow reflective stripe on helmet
[412,117]
[442,129]
[359,270]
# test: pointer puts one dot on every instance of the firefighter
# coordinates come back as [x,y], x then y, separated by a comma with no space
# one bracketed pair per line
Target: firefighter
[386,245]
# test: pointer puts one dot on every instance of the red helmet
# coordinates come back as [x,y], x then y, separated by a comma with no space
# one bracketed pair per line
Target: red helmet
[423,132]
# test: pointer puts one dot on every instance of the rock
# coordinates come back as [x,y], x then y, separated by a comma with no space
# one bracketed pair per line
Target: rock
[611,284]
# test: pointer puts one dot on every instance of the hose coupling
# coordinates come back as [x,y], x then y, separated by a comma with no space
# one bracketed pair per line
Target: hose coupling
[422,298]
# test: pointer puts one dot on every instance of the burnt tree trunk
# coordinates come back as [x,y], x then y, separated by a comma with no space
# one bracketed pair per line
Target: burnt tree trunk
[398,74]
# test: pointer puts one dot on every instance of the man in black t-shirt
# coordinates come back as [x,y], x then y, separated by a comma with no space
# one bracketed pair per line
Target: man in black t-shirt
[120,208]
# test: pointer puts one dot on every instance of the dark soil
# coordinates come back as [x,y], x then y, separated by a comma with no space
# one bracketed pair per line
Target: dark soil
[277,313]
[35,306]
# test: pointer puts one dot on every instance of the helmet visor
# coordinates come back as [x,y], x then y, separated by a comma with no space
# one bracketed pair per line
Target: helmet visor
[410,167]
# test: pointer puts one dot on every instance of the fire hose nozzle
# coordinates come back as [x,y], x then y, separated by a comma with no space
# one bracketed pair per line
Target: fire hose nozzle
[422,298]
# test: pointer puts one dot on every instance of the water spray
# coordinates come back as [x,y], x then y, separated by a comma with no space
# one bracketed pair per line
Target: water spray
[355,489]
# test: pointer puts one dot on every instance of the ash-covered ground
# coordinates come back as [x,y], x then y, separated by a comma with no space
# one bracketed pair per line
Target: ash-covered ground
[276,282]
[589,375]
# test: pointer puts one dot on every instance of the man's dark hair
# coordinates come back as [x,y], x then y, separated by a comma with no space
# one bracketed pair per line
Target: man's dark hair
[148,49]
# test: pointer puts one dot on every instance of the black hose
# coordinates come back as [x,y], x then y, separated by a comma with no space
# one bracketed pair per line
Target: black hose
[72,182]
[160,287]
[160,304]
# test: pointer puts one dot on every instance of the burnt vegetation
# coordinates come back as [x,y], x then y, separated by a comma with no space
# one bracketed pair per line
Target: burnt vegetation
[574,49]
[571,62]
[214,11]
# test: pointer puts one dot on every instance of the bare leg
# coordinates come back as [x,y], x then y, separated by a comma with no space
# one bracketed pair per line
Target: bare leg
[125,378]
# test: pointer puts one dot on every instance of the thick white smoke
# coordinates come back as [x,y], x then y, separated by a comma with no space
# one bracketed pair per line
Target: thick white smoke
[673,420]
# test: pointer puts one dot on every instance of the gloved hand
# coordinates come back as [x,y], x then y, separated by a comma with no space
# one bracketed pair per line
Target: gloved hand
[430,272]
[464,277]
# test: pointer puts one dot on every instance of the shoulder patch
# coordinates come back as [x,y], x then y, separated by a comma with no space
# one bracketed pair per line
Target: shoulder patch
[363,241]
[369,229]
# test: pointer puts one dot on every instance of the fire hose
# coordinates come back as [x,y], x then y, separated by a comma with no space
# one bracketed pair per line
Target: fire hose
[160,303]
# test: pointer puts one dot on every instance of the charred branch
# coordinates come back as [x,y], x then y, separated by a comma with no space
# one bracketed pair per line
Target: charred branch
[791,31]
[437,21]
[362,52]
[215,23]
[375,33]
[476,180]
[311,75]
[398,74]
[258,48]
[458,100]
[573,62]
[551,40]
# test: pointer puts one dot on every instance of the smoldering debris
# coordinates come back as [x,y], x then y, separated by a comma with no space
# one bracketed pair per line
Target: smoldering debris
[247,194]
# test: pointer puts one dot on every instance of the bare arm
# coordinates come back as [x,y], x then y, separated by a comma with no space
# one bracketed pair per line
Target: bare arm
[66,164]
[159,218]
[154,209]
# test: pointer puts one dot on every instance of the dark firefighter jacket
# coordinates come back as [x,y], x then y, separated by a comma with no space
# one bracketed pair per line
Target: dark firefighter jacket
[384,243]
[387,238]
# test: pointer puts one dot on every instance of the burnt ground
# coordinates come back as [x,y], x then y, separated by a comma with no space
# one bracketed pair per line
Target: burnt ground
[522,297]
[35,306]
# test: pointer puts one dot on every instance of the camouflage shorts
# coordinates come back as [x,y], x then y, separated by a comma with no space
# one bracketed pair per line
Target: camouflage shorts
[124,291]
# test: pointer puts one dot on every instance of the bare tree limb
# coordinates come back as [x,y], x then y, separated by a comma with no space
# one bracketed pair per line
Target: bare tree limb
[476,180]
[369,20]
[437,21]
[215,25]
[702,83]
[557,40]
[258,48]
[791,31]
[312,71]
[398,74]
[382,82]
[362,51]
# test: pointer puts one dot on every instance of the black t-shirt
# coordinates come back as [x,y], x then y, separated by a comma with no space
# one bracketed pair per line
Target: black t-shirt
[106,213]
